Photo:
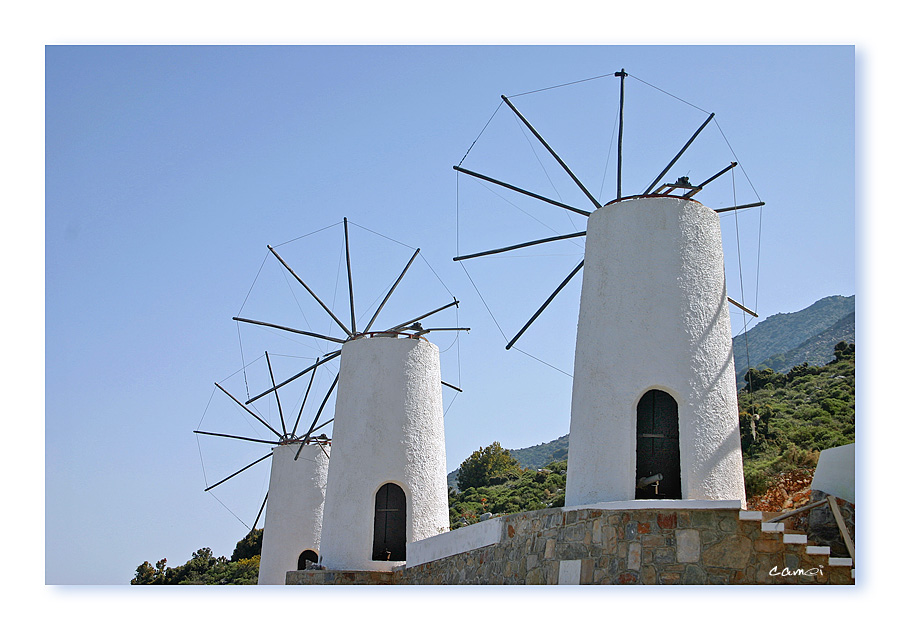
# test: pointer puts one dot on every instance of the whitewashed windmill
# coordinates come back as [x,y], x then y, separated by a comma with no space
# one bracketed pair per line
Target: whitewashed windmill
[386,460]
[295,499]
[654,403]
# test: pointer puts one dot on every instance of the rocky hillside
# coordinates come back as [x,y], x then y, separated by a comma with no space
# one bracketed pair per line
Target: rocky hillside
[784,340]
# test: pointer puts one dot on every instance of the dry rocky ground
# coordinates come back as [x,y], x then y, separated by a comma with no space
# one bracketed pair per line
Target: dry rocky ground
[792,491]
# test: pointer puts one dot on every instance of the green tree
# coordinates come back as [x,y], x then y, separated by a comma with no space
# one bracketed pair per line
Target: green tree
[488,465]
[205,568]
[844,351]
[243,571]
[145,574]
[194,570]
[248,546]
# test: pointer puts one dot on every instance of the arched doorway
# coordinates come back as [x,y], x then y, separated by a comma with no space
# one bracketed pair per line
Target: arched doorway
[390,523]
[658,456]
[309,555]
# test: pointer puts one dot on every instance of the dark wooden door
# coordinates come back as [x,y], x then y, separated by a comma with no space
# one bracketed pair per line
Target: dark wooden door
[657,447]
[390,523]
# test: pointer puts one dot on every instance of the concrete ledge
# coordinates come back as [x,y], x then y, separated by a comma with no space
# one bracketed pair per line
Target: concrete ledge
[453,542]
[794,539]
[658,504]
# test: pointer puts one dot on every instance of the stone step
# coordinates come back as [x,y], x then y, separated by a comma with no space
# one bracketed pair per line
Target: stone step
[840,562]
[814,550]
[791,537]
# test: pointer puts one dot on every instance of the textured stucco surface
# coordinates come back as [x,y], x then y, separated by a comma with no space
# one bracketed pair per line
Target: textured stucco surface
[294,509]
[388,427]
[653,315]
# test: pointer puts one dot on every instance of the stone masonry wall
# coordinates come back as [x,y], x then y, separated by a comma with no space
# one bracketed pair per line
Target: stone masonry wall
[619,547]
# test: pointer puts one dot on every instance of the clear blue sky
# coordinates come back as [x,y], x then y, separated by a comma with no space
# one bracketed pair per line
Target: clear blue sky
[169,170]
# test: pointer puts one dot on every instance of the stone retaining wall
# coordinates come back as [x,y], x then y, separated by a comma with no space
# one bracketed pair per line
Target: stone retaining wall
[632,546]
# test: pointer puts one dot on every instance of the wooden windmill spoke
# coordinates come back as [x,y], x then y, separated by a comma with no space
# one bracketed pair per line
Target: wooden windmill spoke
[325,359]
[286,328]
[546,303]
[450,386]
[277,398]
[244,407]
[384,301]
[699,186]
[415,319]
[326,423]
[621,74]
[743,308]
[521,191]
[238,472]
[318,413]
[743,207]
[675,159]
[305,396]
[552,152]
[428,330]
[266,498]
[349,278]
[520,246]
[305,286]
[238,437]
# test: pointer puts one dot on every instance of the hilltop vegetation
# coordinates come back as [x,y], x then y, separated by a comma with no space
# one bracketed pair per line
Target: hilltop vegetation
[204,568]
[520,490]
[787,419]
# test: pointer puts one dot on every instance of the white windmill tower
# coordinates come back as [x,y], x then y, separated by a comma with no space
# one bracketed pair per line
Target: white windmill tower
[296,491]
[386,459]
[654,403]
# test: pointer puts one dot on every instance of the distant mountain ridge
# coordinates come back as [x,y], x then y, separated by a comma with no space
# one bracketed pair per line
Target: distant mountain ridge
[535,457]
[780,342]
[789,339]
[817,350]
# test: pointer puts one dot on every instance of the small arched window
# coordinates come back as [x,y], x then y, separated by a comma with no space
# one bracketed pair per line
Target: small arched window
[658,455]
[308,555]
[390,523]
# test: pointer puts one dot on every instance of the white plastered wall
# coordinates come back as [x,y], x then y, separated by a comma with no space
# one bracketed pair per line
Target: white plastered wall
[294,509]
[388,427]
[653,315]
